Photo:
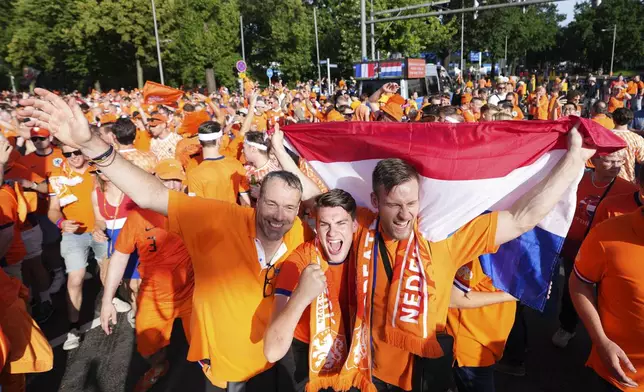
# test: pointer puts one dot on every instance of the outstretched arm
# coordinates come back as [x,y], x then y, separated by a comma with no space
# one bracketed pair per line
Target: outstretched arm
[66,122]
[532,207]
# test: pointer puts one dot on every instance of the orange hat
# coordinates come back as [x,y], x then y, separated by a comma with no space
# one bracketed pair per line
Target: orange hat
[334,115]
[170,169]
[322,97]
[157,119]
[313,96]
[39,132]
[393,107]
[466,98]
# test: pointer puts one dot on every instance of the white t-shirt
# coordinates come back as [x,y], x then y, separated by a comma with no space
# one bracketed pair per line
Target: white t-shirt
[496,98]
[165,148]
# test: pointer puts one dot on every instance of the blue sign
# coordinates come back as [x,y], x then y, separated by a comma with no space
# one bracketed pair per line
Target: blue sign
[269,73]
[475,56]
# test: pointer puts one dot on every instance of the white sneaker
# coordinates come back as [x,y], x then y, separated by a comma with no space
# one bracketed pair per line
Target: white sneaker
[562,337]
[131,318]
[73,340]
[57,282]
[121,306]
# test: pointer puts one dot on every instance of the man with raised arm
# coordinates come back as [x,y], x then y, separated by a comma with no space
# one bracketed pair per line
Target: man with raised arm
[227,328]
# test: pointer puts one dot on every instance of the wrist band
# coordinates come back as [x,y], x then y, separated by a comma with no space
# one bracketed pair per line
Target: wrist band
[104,155]
[59,223]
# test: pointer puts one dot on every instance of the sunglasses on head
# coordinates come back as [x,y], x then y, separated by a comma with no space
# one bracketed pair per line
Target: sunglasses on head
[75,153]
[38,139]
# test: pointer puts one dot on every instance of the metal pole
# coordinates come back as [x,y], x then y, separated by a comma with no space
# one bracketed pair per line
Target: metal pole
[241,31]
[156,36]
[505,64]
[459,11]
[328,75]
[363,29]
[612,57]
[411,7]
[462,44]
[373,35]
[480,63]
[13,84]
[317,45]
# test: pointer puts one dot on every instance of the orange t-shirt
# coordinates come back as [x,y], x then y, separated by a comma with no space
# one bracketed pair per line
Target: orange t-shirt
[337,280]
[164,262]
[588,198]
[142,140]
[632,87]
[220,178]
[604,121]
[616,205]
[42,165]
[479,333]
[551,105]
[9,218]
[230,313]
[615,103]
[261,122]
[10,291]
[74,192]
[189,153]
[542,108]
[391,364]
[517,113]
[609,257]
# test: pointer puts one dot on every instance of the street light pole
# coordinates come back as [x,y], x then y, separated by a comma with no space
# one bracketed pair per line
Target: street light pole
[373,35]
[241,32]
[505,61]
[612,56]
[462,43]
[156,36]
[363,29]
[317,45]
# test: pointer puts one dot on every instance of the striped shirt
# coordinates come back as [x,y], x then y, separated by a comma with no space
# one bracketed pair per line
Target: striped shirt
[165,148]
[634,153]
[145,160]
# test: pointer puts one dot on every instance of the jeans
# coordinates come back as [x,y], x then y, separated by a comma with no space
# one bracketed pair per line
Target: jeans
[636,103]
[568,315]
[474,379]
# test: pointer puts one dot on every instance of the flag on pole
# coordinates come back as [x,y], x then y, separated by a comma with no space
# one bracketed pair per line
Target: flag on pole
[466,170]
[158,94]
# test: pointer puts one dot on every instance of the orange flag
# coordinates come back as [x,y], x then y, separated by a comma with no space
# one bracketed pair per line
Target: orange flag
[158,94]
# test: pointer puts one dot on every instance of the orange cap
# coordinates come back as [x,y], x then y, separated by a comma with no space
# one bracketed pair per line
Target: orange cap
[170,169]
[393,107]
[157,119]
[39,132]
[313,96]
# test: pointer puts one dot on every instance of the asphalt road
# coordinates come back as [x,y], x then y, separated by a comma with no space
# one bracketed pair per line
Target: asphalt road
[111,364]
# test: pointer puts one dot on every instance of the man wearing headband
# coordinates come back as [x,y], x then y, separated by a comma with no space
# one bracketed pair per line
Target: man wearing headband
[217,177]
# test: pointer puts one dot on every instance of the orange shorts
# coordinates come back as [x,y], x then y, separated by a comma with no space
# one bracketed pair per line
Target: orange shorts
[30,351]
[154,322]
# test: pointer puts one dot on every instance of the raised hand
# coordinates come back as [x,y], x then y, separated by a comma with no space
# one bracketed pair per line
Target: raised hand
[5,150]
[576,144]
[65,120]
[311,284]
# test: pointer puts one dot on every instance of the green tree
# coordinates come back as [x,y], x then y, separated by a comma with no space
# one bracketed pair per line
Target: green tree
[207,37]
[279,31]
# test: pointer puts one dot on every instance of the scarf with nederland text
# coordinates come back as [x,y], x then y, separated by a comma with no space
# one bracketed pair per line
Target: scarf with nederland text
[331,364]
[410,299]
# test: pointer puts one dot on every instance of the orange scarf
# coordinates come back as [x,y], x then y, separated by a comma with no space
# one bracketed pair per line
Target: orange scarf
[331,363]
[407,325]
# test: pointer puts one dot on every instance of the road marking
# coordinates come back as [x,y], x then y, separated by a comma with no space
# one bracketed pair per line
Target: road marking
[83,329]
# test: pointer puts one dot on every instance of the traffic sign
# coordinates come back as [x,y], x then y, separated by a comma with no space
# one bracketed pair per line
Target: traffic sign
[241,66]
[269,72]
[475,56]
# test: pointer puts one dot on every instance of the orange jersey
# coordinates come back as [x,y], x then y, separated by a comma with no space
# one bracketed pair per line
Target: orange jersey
[608,258]
[604,121]
[588,198]
[220,178]
[392,364]
[617,205]
[164,262]
[189,153]
[338,285]
[615,103]
[479,333]
[142,140]
[632,88]
[230,270]
[541,109]
[74,192]
[43,165]
[551,106]
[9,218]
[260,122]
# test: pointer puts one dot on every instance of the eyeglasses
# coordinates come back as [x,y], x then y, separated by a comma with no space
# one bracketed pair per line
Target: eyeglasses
[271,273]
[75,153]
[38,139]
